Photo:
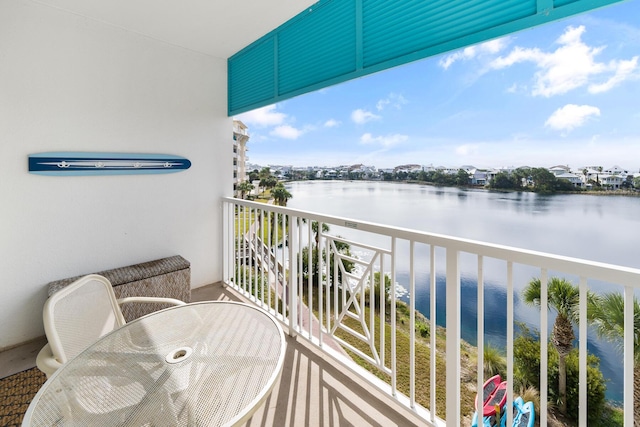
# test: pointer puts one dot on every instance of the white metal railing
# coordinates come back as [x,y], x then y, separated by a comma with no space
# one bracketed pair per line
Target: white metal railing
[266,260]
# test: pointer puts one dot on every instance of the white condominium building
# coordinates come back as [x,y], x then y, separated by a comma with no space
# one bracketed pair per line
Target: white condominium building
[240,139]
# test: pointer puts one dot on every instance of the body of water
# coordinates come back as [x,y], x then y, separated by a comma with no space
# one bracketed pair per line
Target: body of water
[598,228]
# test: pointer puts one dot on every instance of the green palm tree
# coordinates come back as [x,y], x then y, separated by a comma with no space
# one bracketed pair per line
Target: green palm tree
[244,187]
[563,297]
[281,195]
[264,172]
[606,314]
[269,182]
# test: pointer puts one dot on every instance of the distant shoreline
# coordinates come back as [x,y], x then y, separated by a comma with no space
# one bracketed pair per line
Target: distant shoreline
[609,193]
[627,193]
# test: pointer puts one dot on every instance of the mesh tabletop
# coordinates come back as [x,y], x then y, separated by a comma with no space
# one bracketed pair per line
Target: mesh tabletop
[202,364]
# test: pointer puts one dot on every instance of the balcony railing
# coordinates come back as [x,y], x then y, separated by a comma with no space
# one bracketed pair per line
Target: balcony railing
[271,255]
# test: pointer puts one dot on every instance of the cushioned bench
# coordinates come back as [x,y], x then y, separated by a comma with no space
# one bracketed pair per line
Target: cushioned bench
[167,277]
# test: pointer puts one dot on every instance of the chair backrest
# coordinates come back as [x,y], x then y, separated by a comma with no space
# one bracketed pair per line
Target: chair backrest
[79,314]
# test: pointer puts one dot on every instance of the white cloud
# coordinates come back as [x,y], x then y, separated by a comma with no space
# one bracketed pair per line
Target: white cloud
[262,117]
[277,124]
[287,132]
[518,54]
[491,47]
[360,116]
[385,141]
[494,46]
[331,123]
[460,55]
[571,116]
[623,71]
[572,65]
[395,100]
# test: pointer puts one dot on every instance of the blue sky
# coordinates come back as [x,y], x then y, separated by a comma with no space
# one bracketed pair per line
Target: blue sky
[563,93]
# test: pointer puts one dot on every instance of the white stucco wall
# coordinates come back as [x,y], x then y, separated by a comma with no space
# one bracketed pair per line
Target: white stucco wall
[68,83]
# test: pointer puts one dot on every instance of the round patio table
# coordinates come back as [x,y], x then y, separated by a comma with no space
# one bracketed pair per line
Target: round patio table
[200,364]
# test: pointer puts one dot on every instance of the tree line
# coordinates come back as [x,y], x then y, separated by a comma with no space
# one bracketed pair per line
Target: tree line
[539,180]
[268,182]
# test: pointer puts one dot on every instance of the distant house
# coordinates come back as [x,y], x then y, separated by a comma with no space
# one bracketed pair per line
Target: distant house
[448,171]
[408,168]
[590,174]
[357,168]
[478,176]
[559,170]
[281,170]
[612,181]
[616,170]
[331,174]
[571,177]
[491,174]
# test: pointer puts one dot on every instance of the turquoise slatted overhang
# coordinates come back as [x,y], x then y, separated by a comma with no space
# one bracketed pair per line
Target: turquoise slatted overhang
[338,40]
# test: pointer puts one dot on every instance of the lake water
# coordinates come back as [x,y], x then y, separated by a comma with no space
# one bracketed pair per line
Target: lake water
[598,228]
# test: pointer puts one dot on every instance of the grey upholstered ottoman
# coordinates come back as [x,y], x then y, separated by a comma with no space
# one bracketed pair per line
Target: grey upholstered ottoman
[167,277]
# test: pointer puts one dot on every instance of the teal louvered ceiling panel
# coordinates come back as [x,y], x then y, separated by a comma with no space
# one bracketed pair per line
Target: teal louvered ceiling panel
[251,76]
[338,40]
[327,50]
[390,32]
[558,3]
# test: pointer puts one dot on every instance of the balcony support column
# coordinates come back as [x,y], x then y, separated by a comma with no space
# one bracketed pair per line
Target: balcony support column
[453,337]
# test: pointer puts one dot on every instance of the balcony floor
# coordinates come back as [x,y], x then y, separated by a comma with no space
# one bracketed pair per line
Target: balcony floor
[315,392]
[312,390]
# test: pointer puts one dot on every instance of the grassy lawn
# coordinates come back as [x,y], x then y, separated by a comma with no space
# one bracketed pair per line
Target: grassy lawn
[243,223]
[423,359]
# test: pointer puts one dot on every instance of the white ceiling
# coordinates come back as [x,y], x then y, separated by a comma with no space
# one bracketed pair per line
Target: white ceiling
[218,28]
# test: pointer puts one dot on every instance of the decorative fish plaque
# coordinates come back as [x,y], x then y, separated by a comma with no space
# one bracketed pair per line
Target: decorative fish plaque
[81,163]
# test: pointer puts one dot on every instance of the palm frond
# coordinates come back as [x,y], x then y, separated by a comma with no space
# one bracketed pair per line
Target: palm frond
[606,315]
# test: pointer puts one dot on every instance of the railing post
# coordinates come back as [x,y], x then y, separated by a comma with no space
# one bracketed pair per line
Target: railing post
[628,356]
[544,347]
[453,337]
[225,242]
[292,278]
[432,330]
[480,331]
[582,358]
[510,318]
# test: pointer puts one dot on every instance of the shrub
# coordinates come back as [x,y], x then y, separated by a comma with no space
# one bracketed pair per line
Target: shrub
[595,385]
[526,351]
[422,329]
[494,362]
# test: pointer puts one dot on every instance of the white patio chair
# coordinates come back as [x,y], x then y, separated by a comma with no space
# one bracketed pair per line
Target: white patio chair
[78,315]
